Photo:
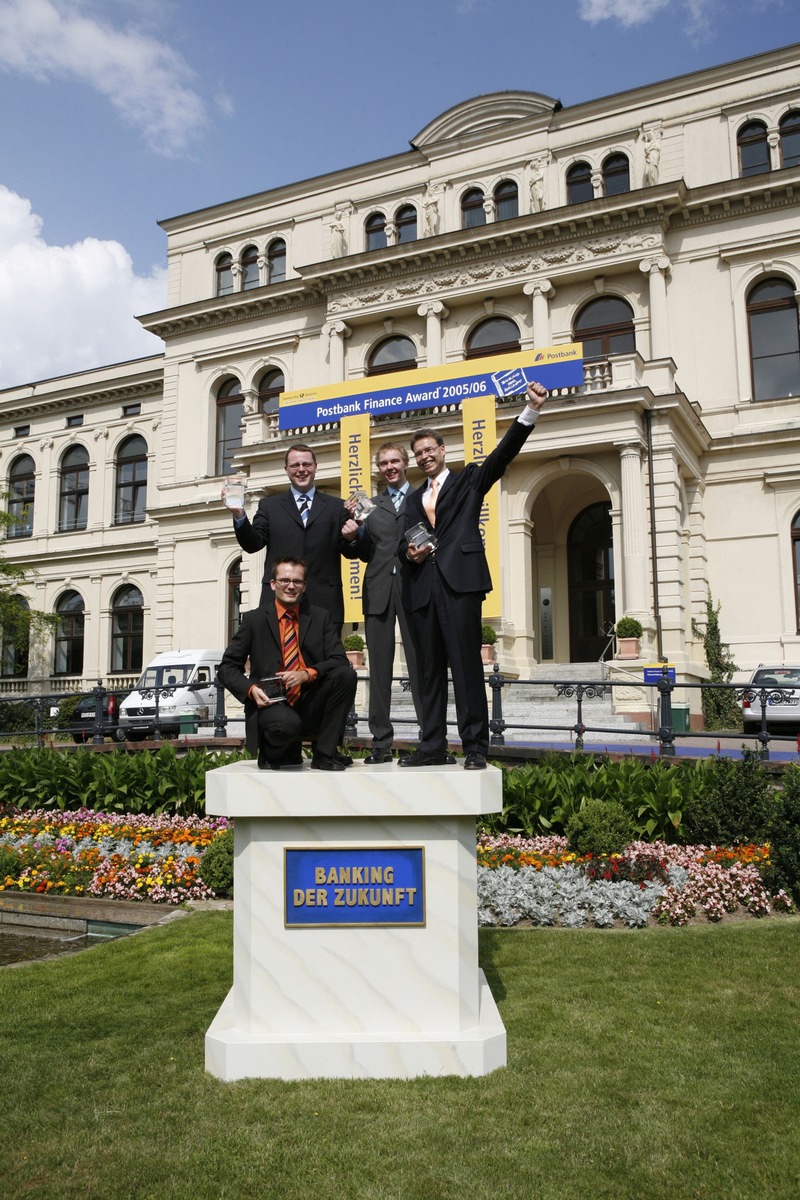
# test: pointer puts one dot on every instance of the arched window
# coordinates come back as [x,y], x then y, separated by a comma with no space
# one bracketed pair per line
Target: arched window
[69,635]
[497,335]
[774,339]
[21,495]
[269,391]
[616,175]
[472,210]
[73,509]
[753,148]
[230,410]
[127,629]
[506,200]
[250,268]
[234,597]
[392,354]
[375,230]
[130,499]
[276,261]
[590,574]
[605,327]
[796,565]
[579,183]
[790,139]
[224,268]
[405,223]
[16,639]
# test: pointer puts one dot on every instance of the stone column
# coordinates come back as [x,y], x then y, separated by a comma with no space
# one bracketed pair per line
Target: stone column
[774,143]
[434,313]
[336,332]
[656,269]
[542,291]
[634,538]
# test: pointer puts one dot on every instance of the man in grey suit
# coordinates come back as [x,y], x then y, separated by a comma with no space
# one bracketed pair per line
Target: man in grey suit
[381,597]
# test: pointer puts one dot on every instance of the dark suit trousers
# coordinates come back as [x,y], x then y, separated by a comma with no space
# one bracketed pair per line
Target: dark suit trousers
[320,714]
[449,628]
[380,631]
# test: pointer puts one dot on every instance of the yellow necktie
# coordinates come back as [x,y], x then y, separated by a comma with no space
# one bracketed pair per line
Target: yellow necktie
[429,501]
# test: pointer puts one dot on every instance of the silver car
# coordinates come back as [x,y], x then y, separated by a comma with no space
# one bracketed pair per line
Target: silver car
[779,687]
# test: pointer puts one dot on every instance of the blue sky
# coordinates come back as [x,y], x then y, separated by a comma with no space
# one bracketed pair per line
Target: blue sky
[117,113]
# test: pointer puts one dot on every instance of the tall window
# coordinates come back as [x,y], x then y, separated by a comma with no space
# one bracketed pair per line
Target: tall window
[234,597]
[405,223]
[472,211]
[774,339]
[15,639]
[616,175]
[375,230]
[21,495]
[250,268]
[127,629]
[789,129]
[224,267]
[506,200]
[579,183]
[498,335]
[130,499]
[73,508]
[753,148]
[605,327]
[276,261]
[392,354]
[796,564]
[230,410]
[69,635]
[269,391]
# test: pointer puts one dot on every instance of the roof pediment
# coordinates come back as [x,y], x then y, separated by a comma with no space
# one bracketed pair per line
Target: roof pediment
[483,113]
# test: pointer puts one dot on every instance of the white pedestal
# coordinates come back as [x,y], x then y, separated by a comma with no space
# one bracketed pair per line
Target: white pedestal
[355,1002]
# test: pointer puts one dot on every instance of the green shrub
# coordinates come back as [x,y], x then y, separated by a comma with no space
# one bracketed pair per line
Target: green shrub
[216,865]
[737,805]
[16,717]
[600,827]
[784,868]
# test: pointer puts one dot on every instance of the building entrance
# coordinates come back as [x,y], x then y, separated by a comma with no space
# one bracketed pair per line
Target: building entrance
[590,559]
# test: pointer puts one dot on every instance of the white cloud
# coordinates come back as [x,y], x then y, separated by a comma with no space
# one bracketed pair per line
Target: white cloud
[628,12]
[67,308]
[148,83]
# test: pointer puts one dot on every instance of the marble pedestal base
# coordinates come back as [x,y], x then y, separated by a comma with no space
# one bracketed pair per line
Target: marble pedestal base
[355,1002]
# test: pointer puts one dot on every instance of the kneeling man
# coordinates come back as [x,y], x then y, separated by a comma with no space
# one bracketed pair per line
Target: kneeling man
[294,642]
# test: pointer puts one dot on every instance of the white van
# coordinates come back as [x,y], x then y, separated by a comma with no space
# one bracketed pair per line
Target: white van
[180,674]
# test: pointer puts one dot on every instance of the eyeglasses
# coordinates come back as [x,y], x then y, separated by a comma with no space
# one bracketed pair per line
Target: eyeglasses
[295,583]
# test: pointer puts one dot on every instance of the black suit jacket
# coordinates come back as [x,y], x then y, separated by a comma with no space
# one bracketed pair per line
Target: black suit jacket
[460,556]
[258,639]
[278,528]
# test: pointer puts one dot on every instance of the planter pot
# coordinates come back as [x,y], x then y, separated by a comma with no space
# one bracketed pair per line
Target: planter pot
[487,653]
[627,648]
[356,657]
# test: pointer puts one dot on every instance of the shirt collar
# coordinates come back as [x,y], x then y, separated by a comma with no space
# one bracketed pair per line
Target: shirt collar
[309,495]
[282,609]
[440,478]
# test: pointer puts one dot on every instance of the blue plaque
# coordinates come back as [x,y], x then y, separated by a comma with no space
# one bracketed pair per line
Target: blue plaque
[340,887]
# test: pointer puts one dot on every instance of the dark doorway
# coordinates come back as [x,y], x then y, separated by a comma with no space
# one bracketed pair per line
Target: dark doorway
[590,560]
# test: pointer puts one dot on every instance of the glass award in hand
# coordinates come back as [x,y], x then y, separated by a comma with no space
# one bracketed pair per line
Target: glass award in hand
[421,536]
[273,688]
[234,491]
[360,506]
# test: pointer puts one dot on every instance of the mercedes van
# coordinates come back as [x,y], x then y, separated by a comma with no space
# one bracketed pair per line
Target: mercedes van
[183,682]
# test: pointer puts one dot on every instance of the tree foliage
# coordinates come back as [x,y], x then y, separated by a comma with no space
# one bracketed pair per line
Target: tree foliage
[720,709]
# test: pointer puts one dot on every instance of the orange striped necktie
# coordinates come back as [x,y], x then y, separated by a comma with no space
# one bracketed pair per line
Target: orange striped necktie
[291,651]
[429,501]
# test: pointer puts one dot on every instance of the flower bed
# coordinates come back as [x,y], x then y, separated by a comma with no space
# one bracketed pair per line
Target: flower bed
[85,853]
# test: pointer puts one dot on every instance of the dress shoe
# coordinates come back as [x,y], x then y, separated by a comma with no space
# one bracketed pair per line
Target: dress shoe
[420,758]
[378,756]
[344,759]
[475,761]
[265,763]
[324,762]
[294,760]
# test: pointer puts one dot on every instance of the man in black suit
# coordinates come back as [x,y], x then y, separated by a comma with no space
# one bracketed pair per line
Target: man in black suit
[445,588]
[381,597]
[302,523]
[299,646]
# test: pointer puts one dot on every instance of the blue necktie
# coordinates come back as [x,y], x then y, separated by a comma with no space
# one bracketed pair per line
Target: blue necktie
[304,506]
[397,500]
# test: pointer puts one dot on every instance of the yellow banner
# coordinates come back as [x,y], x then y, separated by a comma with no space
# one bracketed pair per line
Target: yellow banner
[354,435]
[480,438]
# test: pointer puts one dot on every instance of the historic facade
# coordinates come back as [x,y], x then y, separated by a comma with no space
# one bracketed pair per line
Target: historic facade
[659,226]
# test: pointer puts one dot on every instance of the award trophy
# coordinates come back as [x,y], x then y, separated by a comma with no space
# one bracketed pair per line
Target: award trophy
[234,491]
[421,536]
[363,506]
[273,688]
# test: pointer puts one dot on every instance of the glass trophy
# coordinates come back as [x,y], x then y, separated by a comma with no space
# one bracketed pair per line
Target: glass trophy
[421,536]
[363,506]
[273,688]
[234,491]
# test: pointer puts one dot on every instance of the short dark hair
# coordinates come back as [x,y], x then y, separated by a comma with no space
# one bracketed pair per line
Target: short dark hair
[401,450]
[301,446]
[426,433]
[292,562]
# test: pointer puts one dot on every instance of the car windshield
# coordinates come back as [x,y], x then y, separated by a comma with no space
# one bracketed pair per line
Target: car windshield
[169,676]
[778,677]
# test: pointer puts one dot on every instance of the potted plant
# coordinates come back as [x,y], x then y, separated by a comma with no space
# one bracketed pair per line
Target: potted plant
[354,649]
[488,639]
[628,631]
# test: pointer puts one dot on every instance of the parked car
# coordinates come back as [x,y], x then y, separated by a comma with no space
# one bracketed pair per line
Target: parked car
[184,682]
[81,723]
[782,689]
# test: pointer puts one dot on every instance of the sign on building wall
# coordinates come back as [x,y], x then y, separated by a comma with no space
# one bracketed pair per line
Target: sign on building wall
[346,887]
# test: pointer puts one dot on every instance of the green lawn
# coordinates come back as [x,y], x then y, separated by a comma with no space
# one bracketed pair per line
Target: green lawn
[647,1064]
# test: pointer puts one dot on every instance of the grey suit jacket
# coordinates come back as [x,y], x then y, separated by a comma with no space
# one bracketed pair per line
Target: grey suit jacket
[377,547]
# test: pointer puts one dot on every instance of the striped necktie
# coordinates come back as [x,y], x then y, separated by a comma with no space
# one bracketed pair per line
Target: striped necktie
[397,500]
[291,651]
[303,506]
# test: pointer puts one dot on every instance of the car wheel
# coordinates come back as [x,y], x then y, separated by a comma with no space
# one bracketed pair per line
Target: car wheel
[119,734]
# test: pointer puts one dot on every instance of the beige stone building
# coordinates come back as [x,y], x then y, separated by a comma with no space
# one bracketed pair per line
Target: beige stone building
[660,227]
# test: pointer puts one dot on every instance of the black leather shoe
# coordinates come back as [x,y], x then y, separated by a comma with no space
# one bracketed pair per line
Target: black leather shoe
[295,760]
[344,759]
[265,763]
[323,762]
[475,762]
[421,759]
[378,756]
